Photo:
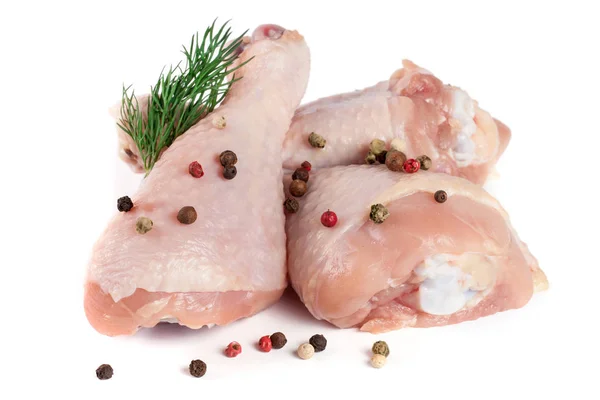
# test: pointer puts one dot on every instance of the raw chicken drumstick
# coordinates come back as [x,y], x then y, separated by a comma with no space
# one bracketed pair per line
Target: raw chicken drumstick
[429,118]
[429,263]
[231,262]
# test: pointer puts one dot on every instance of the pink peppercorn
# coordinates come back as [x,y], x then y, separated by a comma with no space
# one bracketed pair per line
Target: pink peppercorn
[196,169]
[306,165]
[265,344]
[329,219]
[411,166]
[233,349]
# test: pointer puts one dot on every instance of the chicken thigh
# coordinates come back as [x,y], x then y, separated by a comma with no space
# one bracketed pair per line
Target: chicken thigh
[231,262]
[425,117]
[428,263]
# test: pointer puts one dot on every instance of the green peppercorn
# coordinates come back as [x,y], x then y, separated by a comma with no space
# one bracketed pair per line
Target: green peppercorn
[291,205]
[379,213]
[143,225]
[318,342]
[298,188]
[229,172]
[278,340]
[395,160]
[301,174]
[377,146]
[425,162]
[381,157]
[228,158]
[197,368]
[370,158]
[316,140]
[440,196]
[124,204]
[187,215]
[381,347]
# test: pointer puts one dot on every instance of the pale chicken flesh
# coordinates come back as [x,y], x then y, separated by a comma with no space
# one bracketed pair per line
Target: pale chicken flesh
[427,264]
[231,262]
[413,107]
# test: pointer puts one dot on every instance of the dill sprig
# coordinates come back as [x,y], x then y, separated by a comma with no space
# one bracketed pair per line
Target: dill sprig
[183,95]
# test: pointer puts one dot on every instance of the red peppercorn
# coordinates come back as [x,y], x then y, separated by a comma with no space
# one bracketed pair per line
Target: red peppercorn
[306,165]
[196,169]
[411,166]
[265,344]
[329,219]
[233,349]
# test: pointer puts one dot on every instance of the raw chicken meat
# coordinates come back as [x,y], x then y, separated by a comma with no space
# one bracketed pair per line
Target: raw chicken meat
[427,264]
[413,107]
[229,263]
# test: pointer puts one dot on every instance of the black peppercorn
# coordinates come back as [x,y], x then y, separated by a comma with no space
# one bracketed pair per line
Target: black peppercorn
[301,174]
[229,172]
[104,372]
[197,368]
[297,188]
[318,342]
[187,215]
[278,340]
[381,157]
[395,160]
[228,158]
[440,196]
[291,205]
[124,204]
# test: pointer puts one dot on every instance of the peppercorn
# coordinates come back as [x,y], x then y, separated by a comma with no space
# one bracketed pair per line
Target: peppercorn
[187,215]
[104,372]
[395,160]
[411,166]
[318,342]
[233,349]
[306,351]
[229,172]
[301,174]
[370,158]
[381,157]
[316,140]
[379,213]
[381,347]
[440,196]
[143,225]
[377,146]
[425,162]
[195,169]
[398,144]
[306,165]
[291,205]
[298,188]
[378,360]
[228,158]
[124,204]
[265,344]
[197,368]
[329,219]
[278,340]
[219,122]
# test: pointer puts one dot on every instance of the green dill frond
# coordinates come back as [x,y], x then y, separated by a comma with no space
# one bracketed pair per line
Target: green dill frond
[182,95]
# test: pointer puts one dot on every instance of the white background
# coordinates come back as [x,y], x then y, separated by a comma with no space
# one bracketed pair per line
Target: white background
[535,67]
